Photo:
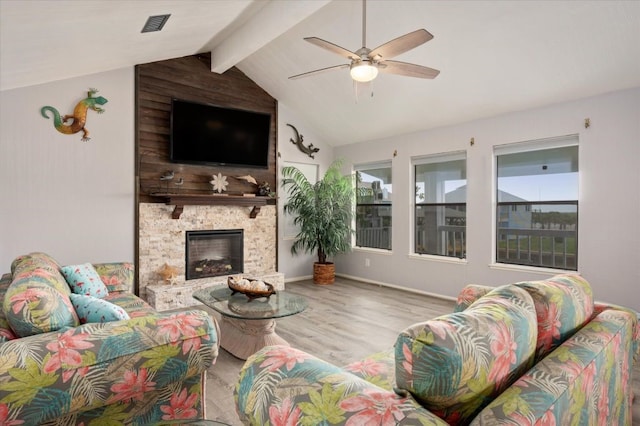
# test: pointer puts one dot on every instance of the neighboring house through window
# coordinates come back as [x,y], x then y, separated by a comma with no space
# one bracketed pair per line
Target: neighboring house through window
[373,205]
[441,205]
[537,203]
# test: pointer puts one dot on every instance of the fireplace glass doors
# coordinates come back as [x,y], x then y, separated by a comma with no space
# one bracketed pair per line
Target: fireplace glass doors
[214,253]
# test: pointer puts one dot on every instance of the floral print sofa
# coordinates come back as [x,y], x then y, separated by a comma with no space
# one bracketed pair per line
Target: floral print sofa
[143,370]
[538,352]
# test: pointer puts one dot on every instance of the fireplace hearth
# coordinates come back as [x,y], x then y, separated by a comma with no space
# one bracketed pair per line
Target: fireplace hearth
[213,253]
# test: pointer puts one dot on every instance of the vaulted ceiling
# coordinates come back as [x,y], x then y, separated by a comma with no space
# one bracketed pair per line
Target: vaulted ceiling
[494,56]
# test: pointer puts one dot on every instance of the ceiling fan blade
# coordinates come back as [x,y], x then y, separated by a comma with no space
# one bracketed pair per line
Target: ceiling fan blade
[334,48]
[406,69]
[320,71]
[401,44]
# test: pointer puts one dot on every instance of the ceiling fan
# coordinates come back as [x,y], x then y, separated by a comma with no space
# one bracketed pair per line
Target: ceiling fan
[366,63]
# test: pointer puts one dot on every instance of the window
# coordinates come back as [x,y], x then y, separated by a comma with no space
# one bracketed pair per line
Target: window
[373,206]
[441,205]
[537,203]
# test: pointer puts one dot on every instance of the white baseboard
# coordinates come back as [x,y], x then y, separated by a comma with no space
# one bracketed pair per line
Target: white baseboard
[410,290]
[380,283]
[304,277]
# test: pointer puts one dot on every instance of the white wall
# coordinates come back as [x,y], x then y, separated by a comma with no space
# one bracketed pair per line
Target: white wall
[609,203]
[71,199]
[300,266]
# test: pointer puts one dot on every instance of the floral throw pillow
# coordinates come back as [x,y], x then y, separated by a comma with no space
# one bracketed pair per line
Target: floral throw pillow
[94,310]
[564,304]
[83,279]
[456,364]
[32,306]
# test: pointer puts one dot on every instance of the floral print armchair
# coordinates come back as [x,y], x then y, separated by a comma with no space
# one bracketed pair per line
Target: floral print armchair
[144,370]
[529,353]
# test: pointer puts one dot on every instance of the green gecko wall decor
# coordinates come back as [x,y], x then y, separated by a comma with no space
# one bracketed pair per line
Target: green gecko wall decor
[79,115]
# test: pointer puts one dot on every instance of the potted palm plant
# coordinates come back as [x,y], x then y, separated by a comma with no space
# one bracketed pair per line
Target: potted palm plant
[323,213]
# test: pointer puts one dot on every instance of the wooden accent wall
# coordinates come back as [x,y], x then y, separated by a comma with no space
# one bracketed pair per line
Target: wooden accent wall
[190,78]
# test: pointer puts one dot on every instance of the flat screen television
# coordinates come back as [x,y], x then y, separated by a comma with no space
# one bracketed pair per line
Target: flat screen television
[212,135]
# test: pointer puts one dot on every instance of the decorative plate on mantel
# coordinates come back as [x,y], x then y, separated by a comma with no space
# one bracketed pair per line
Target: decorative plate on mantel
[251,288]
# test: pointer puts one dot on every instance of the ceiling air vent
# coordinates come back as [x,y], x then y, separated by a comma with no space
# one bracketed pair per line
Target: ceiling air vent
[155,23]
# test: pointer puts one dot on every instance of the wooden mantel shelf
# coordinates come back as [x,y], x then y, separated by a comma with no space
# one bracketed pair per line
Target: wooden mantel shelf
[181,200]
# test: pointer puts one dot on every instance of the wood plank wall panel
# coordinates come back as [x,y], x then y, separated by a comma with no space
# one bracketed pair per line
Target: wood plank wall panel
[190,78]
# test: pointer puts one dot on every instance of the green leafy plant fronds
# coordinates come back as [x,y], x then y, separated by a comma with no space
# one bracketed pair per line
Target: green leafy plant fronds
[323,211]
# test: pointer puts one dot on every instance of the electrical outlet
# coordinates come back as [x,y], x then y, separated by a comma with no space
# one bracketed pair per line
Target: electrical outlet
[367,262]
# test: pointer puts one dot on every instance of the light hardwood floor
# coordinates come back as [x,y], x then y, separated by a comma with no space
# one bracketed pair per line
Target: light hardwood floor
[343,323]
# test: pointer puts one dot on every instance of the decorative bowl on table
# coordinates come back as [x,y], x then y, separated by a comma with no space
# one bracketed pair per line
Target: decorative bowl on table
[251,288]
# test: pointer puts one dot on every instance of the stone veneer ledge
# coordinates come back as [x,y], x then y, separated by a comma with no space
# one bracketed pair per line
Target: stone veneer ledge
[167,297]
[162,239]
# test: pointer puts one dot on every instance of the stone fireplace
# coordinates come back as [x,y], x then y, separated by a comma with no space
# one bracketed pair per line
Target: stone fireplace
[212,253]
[163,240]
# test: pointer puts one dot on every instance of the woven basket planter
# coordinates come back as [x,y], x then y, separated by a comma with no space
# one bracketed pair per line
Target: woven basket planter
[324,273]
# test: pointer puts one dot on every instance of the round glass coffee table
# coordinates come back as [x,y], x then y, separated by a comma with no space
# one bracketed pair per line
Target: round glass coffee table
[248,325]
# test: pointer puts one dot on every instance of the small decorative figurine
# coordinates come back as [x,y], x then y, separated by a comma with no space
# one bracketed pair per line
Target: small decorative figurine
[168,175]
[219,183]
[248,178]
[79,115]
[264,189]
[168,273]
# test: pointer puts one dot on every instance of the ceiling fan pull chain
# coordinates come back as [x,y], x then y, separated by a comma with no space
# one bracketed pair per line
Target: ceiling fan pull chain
[355,89]
[360,88]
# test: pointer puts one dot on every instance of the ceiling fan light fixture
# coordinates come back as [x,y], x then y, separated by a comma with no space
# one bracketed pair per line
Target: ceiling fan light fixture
[363,72]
